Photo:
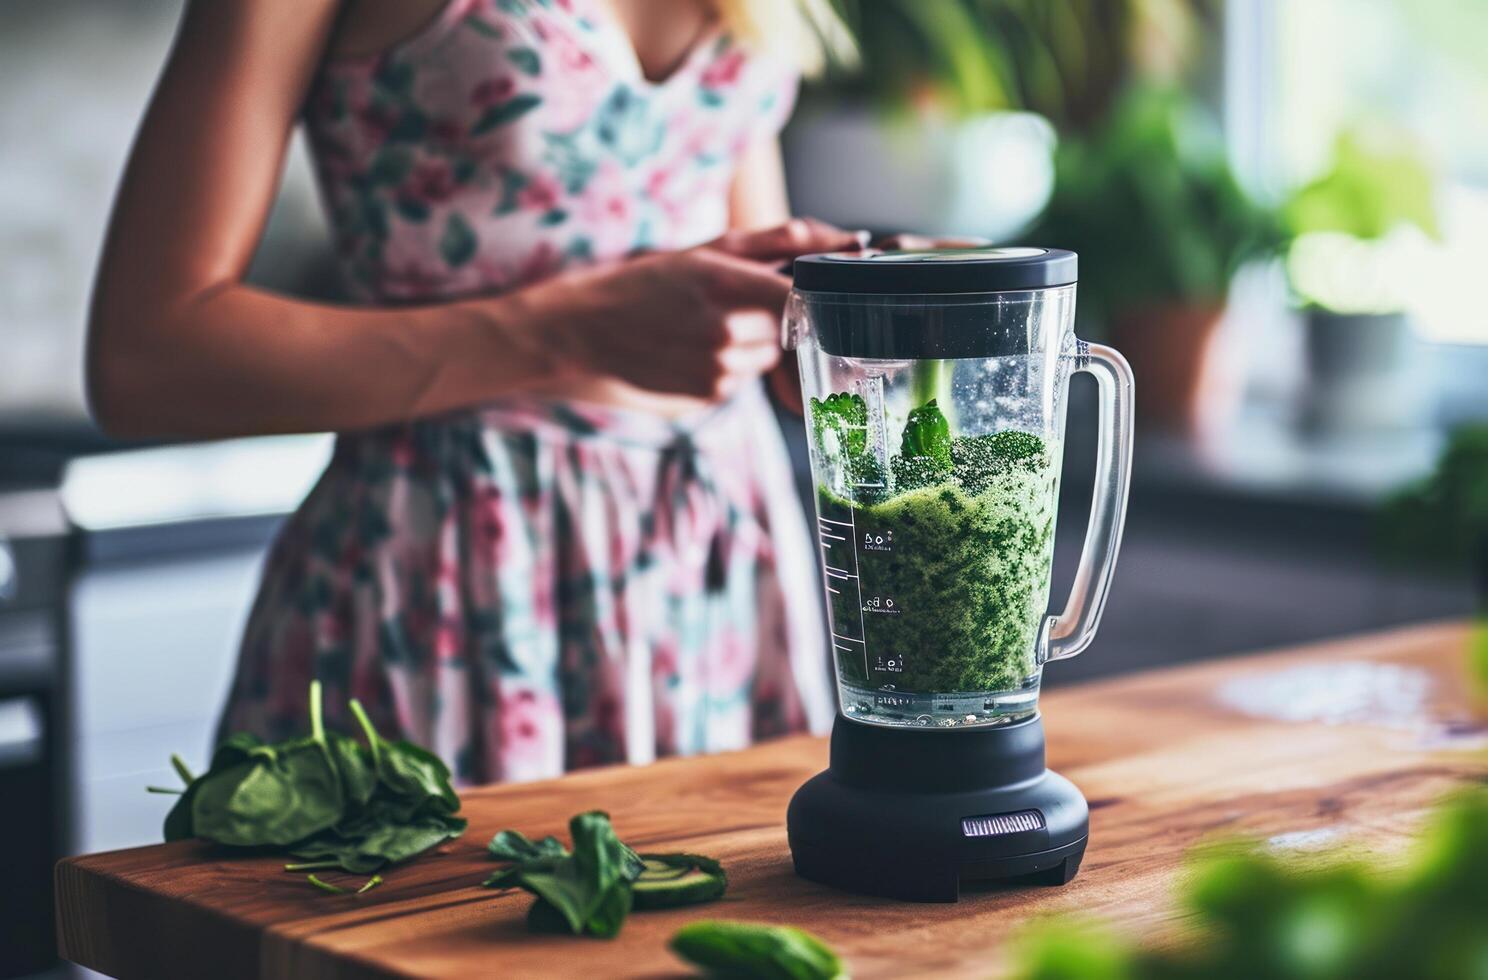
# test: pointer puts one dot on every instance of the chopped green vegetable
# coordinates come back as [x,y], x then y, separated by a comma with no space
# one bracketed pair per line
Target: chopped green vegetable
[325,886]
[927,434]
[758,952]
[670,880]
[592,889]
[324,798]
[586,891]
[840,434]
[513,845]
[968,570]
[842,417]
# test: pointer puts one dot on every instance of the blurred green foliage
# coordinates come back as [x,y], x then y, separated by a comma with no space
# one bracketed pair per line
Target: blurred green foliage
[1256,915]
[1063,59]
[1372,187]
[1150,203]
[1442,519]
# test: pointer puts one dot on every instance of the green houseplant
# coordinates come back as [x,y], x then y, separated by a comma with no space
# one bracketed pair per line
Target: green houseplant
[1348,230]
[1149,201]
[949,112]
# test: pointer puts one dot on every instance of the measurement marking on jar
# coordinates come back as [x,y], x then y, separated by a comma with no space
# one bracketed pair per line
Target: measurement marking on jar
[827,541]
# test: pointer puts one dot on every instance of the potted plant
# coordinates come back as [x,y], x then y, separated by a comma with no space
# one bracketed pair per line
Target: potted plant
[1442,520]
[1352,231]
[1149,201]
[946,120]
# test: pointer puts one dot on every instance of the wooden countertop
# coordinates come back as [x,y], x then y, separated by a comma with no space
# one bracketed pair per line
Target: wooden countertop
[1348,741]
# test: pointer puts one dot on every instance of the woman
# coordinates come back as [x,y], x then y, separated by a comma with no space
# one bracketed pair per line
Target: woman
[558,528]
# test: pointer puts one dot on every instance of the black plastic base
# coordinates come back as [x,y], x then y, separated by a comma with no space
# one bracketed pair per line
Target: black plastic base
[915,814]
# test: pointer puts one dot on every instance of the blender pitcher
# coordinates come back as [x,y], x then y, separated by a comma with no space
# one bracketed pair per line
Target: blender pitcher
[935,384]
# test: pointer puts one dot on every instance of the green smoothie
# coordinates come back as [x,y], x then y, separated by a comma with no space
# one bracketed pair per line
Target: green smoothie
[952,563]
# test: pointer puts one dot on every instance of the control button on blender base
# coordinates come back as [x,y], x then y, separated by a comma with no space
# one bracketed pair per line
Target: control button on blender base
[996,825]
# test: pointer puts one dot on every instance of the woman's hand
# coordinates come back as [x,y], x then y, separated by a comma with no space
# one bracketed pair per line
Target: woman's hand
[701,322]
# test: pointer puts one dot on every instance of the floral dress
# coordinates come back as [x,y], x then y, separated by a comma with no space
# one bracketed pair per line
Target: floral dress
[535,586]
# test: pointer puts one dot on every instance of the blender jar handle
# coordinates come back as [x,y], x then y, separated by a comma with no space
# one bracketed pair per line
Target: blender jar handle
[1072,630]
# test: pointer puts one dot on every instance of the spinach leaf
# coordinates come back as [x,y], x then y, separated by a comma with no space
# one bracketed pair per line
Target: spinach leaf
[178,825]
[358,778]
[273,795]
[410,773]
[590,888]
[927,434]
[513,845]
[760,952]
[324,798]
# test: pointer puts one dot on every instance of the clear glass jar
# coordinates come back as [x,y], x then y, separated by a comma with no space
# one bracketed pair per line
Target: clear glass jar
[935,385]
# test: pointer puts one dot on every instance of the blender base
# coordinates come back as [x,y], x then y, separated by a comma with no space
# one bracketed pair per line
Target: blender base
[918,814]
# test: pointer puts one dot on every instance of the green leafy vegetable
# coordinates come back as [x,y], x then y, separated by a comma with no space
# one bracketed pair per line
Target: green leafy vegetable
[513,845]
[324,798]
[1256,915]
[592,889]
[842,417]
[325,886]
[925,450]
[759,952]
[670,880]
[585,891]
[1443,518]
[840,433]
[928,434]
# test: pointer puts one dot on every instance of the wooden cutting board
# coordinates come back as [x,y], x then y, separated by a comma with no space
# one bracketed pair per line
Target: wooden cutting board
[1344,743]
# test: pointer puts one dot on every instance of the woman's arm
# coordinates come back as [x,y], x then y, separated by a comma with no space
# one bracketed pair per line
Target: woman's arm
[178,345]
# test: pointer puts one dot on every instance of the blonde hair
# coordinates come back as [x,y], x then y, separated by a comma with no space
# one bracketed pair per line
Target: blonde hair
[807,33]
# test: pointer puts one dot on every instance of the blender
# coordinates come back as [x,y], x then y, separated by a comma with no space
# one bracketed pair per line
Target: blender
[935,384]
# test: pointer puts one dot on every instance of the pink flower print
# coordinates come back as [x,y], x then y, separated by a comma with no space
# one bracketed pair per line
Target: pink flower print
[724,71]
[607,211]
[567,51]
[402,453]
[731,665]
[492,91]
[377,121]
[530,732]
[447,641]
[656,184]
[487,520]
[432,181]
[541,194]
[446,133]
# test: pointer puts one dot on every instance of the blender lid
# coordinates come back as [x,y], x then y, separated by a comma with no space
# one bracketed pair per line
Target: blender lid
[937,270]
